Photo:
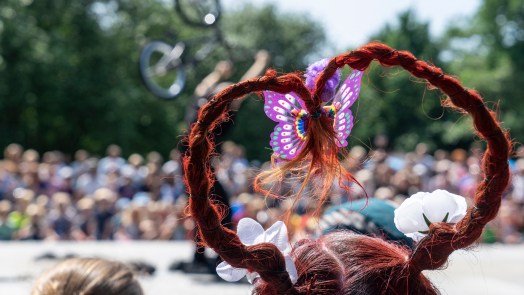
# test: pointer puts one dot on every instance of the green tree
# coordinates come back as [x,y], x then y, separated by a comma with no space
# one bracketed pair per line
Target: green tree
[486,52]
[68,83]
[69,78]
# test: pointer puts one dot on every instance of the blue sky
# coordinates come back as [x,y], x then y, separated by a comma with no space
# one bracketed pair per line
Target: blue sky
[350,23]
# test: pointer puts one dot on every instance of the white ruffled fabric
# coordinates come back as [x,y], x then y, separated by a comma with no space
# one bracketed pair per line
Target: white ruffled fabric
[409,216]
[251,232]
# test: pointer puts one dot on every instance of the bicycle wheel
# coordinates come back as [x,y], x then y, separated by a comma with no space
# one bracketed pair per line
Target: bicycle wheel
[202,13]
[162,70]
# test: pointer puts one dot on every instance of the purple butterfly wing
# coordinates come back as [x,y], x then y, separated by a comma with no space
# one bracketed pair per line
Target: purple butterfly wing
[284,141]
[278,107]
[348,92]
[345,97]
[343,125]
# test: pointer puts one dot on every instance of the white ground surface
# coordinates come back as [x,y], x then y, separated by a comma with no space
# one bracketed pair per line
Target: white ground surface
[486,270]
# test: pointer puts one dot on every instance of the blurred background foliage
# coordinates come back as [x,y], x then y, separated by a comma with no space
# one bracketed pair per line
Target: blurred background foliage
[69,76]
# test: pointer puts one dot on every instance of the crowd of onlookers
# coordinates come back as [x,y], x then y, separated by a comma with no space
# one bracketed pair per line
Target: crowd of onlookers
[52,197]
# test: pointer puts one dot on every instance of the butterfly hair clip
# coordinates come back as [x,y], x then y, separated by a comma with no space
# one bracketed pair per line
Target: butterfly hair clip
[289,111]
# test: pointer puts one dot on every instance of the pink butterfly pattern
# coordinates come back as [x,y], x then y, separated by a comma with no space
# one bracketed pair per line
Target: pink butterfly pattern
[289,111]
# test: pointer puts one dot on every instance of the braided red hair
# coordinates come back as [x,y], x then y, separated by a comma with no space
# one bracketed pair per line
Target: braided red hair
[431,253]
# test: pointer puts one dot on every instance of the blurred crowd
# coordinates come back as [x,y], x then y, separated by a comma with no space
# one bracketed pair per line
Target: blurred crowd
[53,197]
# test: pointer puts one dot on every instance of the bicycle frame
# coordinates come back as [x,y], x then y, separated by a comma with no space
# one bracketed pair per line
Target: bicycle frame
[177,58]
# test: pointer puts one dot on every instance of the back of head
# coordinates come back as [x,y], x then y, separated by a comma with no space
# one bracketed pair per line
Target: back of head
[374,266]
[319,270]
[340,262]
[88,276]
[347,263]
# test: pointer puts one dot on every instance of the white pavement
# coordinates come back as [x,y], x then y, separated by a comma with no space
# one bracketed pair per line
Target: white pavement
[486,270]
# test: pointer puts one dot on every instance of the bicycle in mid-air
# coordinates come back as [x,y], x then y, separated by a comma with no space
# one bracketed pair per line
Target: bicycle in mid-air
[163,65]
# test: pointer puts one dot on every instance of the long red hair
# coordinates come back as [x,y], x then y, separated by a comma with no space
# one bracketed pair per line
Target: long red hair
[431,253]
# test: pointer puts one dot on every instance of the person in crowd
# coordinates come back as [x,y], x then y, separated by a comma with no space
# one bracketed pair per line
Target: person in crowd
[61,217]
[36,229]
[84,224]
[88,181]
[6,228]
[104,212]
[13,153]
[23,198]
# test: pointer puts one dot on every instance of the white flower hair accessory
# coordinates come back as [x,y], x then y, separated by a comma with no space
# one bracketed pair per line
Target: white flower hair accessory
[251,232]
[417,212]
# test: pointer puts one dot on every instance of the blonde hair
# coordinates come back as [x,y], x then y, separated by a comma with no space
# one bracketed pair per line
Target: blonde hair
[88,276]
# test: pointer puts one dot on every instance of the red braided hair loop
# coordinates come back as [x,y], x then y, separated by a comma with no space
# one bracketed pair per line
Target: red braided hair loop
[264,258]
[433,251]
